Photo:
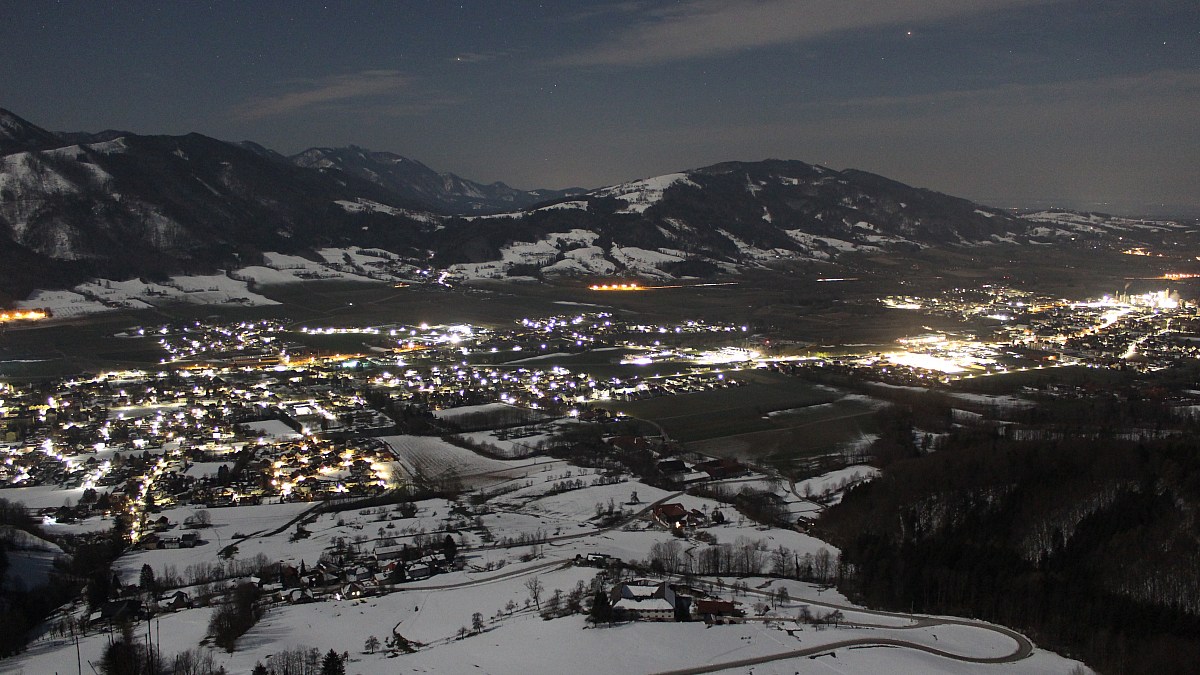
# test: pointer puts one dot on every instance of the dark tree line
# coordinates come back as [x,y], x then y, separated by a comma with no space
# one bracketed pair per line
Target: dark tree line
[1090,546]
[87,566]
[236,616]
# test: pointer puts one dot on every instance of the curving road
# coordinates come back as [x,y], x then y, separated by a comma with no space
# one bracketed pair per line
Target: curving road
[1024,647]
[1017,655]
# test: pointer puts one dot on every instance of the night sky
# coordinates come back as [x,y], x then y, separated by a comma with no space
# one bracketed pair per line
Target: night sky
[1085,104]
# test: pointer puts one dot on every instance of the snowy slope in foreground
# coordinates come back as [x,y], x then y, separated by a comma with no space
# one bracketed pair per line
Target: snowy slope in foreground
[515,639]
[524,644]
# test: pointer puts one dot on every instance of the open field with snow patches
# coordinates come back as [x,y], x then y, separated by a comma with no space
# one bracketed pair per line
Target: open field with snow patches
[435,459]
[779,420]
[819,315]
[723,412]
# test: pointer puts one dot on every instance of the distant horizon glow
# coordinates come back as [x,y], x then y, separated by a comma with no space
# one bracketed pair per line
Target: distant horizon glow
[1011,103]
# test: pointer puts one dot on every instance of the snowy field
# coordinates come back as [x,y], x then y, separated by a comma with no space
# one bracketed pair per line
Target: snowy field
[453,414]
[434,612]
[508,444]
[273,429]
[42,496]
[524,644]
[541,517]
[835,481]
[228,526]
[640,195]
[432,457]
[30,558]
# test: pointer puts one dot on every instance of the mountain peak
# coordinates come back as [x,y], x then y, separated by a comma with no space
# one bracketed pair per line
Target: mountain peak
[18,135]
[446,192]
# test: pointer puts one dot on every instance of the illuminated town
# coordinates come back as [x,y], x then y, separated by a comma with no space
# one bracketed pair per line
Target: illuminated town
[273,414]
[300,423]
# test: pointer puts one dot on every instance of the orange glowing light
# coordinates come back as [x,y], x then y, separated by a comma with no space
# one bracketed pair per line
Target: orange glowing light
[23,315]
[617,287]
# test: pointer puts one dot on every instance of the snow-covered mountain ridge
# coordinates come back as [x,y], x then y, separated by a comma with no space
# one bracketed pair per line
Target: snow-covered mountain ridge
[120,206]
[408,178]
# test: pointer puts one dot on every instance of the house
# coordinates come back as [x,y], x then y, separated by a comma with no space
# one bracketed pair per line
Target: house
[299,596]
[672,469]
[646,600]
[420,570]
[355,589]
[723,468]
[717,611]
[670,516]
[629,442]
[289,576]
[598,559]
[391,552]
[176,601]
[676,516]
[117,611]
[649,609]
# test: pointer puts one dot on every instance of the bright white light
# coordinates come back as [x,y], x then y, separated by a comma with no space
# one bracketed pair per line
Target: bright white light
[925,362]
[727,355]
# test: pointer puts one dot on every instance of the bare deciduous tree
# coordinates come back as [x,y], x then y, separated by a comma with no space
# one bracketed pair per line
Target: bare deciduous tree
[535,588]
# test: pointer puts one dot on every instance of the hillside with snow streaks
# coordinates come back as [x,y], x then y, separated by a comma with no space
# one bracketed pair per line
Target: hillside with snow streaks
[1070,223]
[642,194]
[226,288]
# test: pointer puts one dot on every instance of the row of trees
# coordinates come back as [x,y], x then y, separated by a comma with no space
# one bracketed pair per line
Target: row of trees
[301,661]
[744,557]
[233,618]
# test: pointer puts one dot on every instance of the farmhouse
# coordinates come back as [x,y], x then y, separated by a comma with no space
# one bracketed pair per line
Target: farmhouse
[670,515]
[675,516]
[645,600]
[176,601]
[719,469]
[299,596]
[717,611]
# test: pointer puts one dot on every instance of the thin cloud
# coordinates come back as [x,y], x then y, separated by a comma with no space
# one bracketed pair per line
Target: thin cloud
[1101,102]
[704,28]
[1154,92]
[326,90]
[478,57]
[600,10]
